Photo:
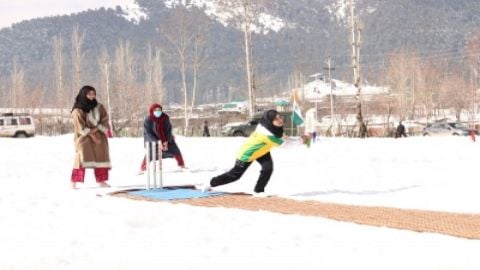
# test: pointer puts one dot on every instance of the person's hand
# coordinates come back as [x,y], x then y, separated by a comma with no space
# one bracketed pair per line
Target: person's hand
[306,139]
[95,138]
[165,146]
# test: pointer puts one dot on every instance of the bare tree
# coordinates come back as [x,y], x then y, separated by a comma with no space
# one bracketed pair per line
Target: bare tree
[35,98]
[178,31]
[399,77]
[17,90]
[246,16]
[104,66]
[472,48]
[148,68]
[153,75]
[118,89]
[157,77]
[77,58]
[414,84]
[58,63]
[126,99]
[122,104]
[295,80]
[427,83]
[294,84]
[4,94]
[455,94]
[473,59]
[199,55]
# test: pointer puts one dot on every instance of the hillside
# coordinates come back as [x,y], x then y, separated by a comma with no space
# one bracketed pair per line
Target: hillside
[310,32]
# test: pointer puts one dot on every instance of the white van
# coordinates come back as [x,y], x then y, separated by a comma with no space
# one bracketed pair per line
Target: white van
[234,107]
[16,125]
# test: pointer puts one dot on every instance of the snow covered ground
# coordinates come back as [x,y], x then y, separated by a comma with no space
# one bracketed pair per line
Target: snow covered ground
[45,225]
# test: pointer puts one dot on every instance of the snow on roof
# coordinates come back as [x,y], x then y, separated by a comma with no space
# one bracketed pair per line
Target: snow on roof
[319,88]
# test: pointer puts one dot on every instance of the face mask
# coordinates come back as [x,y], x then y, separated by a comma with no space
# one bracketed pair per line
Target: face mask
[157,113]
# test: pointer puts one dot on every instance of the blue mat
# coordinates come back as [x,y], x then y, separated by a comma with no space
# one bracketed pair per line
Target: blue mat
[166,194]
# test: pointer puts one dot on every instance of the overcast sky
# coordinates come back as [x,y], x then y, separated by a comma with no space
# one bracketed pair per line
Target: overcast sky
[12,11]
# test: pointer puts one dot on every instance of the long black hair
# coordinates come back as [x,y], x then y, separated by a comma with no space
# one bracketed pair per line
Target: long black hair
[82,102]
[267,122]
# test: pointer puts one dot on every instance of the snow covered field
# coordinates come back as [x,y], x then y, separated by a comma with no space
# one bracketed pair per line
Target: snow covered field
[45,225]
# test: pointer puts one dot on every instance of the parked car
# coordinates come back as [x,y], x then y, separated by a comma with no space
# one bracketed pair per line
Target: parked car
[244,129]
[16,125]
[447,128]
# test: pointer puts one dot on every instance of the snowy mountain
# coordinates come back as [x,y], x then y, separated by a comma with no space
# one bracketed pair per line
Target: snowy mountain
[289,36]
[232,13]
[17,11]
[134,13]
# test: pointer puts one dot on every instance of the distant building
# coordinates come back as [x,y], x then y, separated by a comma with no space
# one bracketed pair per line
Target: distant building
[235,107]
[318,90]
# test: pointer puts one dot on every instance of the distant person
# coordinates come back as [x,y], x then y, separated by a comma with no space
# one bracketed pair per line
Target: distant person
[157,128]
[268,134]
[90,127]
[206,131]
[311,124]
[363,130]
[400,131]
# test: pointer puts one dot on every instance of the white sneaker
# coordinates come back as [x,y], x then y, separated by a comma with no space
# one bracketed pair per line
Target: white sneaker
[261,195]
[103,185]
[182,169]
[206,187]
[74,185]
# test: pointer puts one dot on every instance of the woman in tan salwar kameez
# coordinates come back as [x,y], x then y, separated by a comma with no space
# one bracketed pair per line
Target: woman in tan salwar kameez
[90,125]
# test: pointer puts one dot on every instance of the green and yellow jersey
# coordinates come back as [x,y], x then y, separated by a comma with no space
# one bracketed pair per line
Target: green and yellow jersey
[258,144]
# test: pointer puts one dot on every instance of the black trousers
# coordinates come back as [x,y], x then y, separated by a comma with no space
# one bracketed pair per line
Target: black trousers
[240,167]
